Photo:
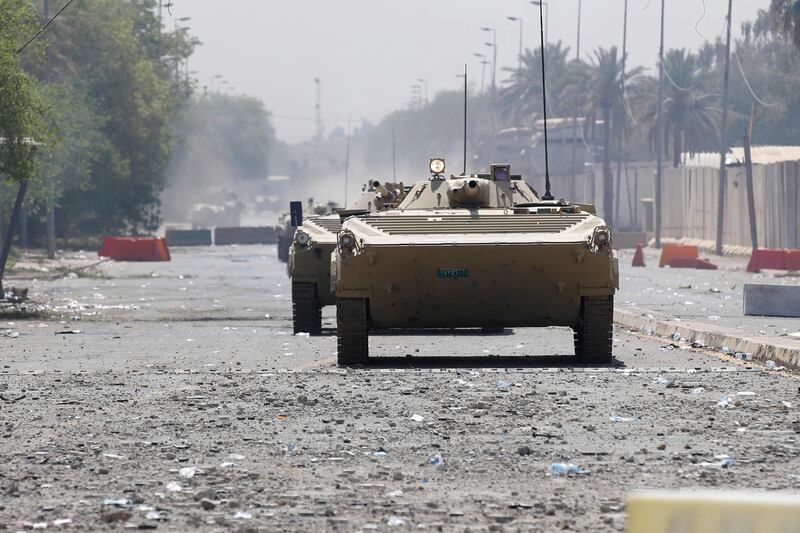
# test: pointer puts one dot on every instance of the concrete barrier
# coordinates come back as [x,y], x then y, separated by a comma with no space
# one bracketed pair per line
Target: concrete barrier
[629,239]
[188,237]
[774,260]
[245,235]
[772,300]
[671,251]
[135,249]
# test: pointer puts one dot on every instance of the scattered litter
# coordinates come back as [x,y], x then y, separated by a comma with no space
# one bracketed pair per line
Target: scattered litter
[68,332]
[698,390]
[564,469]
[62,521]
[787,405]
[726,350]
[8,334]
[724,401]
[722,461]
[713,317]
[417,418]
[379,453]
[302,334]
[746,393]
[121,502]
[698,344]
[623,418]
[395,493]
[236,457]
[744,356]
[188,472]
[770,365]
[436,460]
[112,456]
[396,521]
[291,447]
[174,486]
[242,515]
[661,380]
[503,385]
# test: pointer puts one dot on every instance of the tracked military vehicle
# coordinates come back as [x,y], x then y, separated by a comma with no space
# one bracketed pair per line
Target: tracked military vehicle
[310,252]
[285,230]
[475,251]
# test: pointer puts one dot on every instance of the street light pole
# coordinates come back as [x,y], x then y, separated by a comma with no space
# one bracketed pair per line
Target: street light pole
[425,83]
[575,107]
[494,56]
[723,146]
[521,22]
[483,69]
[659,133]
[621,138]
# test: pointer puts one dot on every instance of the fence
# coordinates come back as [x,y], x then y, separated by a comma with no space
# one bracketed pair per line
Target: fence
[690,205]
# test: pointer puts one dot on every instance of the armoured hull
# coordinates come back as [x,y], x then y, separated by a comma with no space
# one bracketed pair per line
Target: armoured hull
[311,264]
[518,267]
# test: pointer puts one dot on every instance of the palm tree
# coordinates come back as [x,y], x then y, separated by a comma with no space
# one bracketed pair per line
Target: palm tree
[599,85]
[690,113]
[786,16]
[520,99]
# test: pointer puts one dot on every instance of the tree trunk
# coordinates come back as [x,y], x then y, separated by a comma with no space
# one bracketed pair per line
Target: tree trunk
[677,146]
[608,177]
[51,229]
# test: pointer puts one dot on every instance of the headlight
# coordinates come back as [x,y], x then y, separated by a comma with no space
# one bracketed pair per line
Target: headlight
[302,237]
[601,238]
[347,241]
[437,166]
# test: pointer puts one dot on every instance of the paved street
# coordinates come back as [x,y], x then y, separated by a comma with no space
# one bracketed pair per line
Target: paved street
[180,398]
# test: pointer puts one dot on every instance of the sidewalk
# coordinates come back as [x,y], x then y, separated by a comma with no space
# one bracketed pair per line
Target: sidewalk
[705,305]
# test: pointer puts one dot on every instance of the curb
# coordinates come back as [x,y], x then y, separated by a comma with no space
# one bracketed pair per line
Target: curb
[785,352]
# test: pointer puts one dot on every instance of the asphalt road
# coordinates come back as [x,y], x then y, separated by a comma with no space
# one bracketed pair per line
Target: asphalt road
[182,400]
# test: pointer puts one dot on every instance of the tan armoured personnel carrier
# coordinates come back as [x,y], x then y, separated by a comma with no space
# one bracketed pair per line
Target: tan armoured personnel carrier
[309,257]
[285,230]
[475,251]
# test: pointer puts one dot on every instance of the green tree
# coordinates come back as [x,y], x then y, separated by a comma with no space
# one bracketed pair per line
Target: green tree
[690,111]
[521,97]
[786,15]
[600,84]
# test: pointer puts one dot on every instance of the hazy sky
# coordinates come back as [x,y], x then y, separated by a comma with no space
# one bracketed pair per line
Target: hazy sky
[368,53]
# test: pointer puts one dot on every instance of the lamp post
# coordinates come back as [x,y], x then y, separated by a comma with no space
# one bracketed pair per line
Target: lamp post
[521,22]
[575,107]
[425,83]
[659,133]
[493,44]
[546,18]
[483,67]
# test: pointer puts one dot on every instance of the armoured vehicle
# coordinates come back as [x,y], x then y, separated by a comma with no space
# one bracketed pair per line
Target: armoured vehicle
[310,252]
[478,250]
[284,231]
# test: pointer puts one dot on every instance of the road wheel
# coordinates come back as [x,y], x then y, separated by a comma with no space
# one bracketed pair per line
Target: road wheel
[306,310]
[351,330]
[594,332]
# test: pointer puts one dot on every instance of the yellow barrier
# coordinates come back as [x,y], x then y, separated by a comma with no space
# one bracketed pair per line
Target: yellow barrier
[713,512]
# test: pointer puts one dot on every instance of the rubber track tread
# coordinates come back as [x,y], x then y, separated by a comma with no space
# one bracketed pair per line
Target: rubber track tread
[306,310]
[594,333]
[351,330]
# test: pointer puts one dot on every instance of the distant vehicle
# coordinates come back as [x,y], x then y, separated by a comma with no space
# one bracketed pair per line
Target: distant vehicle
[228,214]
[309,257]
[475,251]
[285,231]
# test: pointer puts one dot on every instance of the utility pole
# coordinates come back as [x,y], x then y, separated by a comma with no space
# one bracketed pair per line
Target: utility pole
[51,207]
[575,107]
[621,139]
[659,133]
[347,162]
[723,146]
[394,158]
[318,109]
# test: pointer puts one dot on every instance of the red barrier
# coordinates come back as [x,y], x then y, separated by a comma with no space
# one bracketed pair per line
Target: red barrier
[135,249]
[691,262]
[670,251]
[638,257]
[773,260]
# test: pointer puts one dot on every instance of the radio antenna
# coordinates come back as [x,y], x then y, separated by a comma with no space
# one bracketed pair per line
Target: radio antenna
[464,173]
[547,194]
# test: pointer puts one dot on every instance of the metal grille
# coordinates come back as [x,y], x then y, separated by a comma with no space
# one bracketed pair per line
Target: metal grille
[466,224]
[329,224]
